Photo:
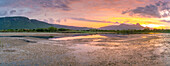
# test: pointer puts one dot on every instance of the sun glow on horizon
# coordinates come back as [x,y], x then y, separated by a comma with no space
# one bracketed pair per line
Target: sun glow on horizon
[166,18]
[154,26]
[145,22]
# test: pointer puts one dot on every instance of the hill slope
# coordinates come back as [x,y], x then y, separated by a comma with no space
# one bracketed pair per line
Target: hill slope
[21,23]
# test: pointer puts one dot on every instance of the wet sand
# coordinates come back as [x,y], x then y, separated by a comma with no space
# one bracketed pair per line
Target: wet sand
[91,50]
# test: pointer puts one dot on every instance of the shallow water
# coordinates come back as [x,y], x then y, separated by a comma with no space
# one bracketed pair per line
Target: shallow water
[85,50]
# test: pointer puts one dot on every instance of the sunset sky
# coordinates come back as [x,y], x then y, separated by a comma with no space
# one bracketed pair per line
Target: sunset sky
[91,13]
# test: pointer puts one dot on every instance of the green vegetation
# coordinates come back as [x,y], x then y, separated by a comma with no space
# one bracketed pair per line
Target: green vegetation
[50,29]
[63,30]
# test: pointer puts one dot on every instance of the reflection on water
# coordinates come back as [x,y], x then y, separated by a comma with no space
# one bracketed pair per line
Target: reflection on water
[78,37]
[98,37]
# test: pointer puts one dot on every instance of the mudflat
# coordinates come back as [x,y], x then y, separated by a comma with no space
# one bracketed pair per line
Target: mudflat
[63,49]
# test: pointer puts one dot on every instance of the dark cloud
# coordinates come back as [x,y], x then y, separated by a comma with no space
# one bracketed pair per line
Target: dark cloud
[34,4]
[152,10]
[83,19]
[88,20]
[59,4]
[165,21]
[12,11]
[164,8]
[63,4]
[32,7]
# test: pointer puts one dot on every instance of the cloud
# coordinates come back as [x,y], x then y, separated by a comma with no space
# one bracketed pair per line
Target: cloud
[67,7]
[65,20]
[165,21]
[61,4]
[83,19]
[89,20]
[51,20]
[149,10]
[58,20]
[33,8]
[12,11]
[152,10]
[45,20]
[3,13]
[38,4]
[6,2]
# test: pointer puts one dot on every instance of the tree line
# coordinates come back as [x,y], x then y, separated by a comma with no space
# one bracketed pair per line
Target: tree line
[50,29]
[53,29]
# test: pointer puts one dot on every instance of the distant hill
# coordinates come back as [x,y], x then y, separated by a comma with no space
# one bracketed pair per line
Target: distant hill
[20,22]
[123,27]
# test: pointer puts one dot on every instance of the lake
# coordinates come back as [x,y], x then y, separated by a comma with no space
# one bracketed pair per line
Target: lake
[69,49]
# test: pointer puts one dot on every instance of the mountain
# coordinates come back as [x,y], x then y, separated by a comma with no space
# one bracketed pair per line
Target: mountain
[19,22]
[123,27]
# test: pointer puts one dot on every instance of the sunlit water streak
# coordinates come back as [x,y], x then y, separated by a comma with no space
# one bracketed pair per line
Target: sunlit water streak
[78,37]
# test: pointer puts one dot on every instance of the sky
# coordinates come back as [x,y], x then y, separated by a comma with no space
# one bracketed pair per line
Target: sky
[91,13]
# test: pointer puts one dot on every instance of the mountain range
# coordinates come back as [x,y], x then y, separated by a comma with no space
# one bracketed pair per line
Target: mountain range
[123,27]
[20,22]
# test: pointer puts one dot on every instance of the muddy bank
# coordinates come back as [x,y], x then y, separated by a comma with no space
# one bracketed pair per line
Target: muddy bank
[94,50]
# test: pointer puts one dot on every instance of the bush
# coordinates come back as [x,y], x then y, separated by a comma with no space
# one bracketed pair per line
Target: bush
[52,29]
[62,29]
